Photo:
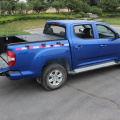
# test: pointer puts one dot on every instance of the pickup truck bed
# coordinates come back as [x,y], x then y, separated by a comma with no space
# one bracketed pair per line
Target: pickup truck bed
[24,39]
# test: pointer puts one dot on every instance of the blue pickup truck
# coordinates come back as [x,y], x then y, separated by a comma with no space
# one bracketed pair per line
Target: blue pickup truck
[65,47]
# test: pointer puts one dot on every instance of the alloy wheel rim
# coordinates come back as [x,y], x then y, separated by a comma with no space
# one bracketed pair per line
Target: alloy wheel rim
[55,78]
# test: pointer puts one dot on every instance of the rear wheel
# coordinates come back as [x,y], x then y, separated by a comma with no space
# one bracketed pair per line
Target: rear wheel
[53,76]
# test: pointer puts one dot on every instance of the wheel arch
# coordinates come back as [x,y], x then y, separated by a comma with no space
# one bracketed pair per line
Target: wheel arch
[60,61]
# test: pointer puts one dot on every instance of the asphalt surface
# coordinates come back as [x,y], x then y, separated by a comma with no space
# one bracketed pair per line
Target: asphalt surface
[93,95]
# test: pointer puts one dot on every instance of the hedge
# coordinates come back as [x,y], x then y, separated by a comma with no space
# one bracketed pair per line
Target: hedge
[117,14]
[8,19]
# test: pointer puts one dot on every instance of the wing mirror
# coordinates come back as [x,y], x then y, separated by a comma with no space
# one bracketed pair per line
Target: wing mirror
[81,30]
[117,35]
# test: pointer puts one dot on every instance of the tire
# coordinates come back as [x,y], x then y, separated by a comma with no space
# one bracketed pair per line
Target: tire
[53,76]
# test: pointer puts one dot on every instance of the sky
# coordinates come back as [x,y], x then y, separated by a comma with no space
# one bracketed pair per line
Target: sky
[22,0]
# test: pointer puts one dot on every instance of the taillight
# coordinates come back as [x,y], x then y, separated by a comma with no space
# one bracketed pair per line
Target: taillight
[11,58]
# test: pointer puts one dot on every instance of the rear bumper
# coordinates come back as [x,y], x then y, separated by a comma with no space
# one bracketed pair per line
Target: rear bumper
[13,75]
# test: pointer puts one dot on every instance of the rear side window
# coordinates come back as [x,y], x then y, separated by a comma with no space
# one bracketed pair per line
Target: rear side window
[84,31]
[55,30]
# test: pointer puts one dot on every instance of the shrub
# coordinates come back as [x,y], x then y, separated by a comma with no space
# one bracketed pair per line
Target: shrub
[8,19]
[97,11]
[110,14]
[77,10]
[92,7]
[78,16]
[118,10]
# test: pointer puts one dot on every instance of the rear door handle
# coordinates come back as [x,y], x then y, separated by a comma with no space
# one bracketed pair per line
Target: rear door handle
[103,45]
[78,47]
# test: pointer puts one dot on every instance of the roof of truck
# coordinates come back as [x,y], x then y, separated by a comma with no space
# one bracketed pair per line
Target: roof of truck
[71,21]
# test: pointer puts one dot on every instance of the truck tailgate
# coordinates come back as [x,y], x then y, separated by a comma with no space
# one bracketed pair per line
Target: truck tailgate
[4,67]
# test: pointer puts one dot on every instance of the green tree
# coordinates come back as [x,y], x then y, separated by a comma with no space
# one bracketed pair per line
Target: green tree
[85,7]
[57,5]
[21,7]
[94,2]
[39,5]
[14,6]
[110,5]
[8,6]
[73,4]
[4,7]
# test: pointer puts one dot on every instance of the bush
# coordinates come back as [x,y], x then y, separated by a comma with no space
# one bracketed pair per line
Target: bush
[82,13]
[8,19]
[117,10]
[86,15]
[77,10]
[96,10]
[110,14]
[94,7]
[78,16]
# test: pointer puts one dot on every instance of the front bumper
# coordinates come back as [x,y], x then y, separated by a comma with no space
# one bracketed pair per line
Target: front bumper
[13,75]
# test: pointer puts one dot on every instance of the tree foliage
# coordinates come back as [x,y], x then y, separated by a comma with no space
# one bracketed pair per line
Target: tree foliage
[39,5]
[78,5]
[21,7]
[73,4]
[57,5]
[110,5]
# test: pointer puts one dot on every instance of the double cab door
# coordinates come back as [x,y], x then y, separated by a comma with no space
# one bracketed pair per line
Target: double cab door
[94,43]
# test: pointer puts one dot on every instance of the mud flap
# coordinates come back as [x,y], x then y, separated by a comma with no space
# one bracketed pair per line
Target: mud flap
[4,67]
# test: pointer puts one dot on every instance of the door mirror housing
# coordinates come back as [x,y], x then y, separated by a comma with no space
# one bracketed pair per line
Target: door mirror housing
[117,35]
[81,30]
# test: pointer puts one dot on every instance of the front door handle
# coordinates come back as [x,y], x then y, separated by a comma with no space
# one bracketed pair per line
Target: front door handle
[78,47]
[103,45]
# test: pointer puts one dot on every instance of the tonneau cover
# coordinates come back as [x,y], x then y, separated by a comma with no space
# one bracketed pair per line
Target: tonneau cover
[39,37]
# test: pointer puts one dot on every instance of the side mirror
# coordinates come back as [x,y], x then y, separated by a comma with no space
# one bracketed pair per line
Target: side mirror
[81,30]
[117,35]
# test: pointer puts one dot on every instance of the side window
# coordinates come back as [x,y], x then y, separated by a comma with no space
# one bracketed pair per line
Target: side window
[55,30]
[84,31]
[105,32]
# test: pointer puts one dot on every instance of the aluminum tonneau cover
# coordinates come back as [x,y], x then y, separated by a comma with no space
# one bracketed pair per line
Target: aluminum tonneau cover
[39,37]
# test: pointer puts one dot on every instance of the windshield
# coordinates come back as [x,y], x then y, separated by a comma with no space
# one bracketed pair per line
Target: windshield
[55,30]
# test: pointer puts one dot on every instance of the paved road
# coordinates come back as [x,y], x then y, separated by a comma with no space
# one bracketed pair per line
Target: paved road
[93,95]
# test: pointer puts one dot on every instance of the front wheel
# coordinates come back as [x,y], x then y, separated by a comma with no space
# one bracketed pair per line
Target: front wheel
[53,76]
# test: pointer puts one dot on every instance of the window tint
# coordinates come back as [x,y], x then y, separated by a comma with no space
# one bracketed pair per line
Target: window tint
[84,31]
[105,32]
[55,30]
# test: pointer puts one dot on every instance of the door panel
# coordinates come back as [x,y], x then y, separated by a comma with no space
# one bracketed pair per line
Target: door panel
[86,50]
[87,53]
[109,49]
[109,45]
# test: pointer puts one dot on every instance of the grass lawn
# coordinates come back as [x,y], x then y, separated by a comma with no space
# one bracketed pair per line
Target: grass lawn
[17,27]
[112,21]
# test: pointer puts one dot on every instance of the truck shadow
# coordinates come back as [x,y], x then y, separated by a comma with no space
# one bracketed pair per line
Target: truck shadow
[86,76]
[30,86]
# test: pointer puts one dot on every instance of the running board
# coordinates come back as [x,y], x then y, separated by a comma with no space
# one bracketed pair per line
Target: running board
[84,69]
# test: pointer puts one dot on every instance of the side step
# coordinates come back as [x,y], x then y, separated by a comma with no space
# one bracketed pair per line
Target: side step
[93,67]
